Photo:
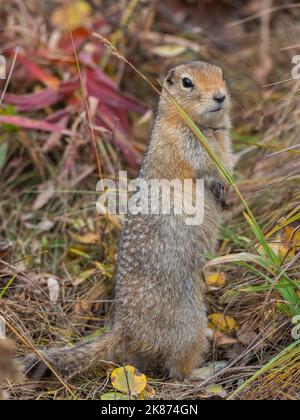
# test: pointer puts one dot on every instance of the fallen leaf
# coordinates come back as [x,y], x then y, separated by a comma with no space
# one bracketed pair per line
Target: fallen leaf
[53,287]
[45,225]
[23,122]
[169,51]
[94,294]
[38,100]
[216,280]
[292,234]
[42,75]
[221,340]
[214,391]
[79,252]
[223,323]
[114,396]
[88,238]
[207,372]
[148,393]
[84,276]
[286,251]
[111,97]
[128,380]
[284,247]
[72,16]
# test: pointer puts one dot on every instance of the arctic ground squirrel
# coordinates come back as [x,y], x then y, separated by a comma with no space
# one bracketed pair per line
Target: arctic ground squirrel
[159,318]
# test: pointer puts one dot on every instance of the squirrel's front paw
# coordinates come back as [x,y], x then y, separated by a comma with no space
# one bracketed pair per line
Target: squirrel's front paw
[218,190]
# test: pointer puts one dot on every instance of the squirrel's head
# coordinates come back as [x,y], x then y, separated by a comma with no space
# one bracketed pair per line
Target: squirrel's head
[200,89]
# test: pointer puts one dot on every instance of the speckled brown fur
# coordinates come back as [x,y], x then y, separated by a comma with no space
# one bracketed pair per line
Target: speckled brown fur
[160,316]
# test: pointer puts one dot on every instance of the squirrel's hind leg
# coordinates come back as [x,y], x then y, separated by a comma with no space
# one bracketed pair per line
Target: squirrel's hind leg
[189,358]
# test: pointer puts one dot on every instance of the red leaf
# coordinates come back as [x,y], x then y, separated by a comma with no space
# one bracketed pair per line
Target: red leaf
[68,87]
[33,101]
[79,37]
[110,96]
[97,74]
[37,101]
[120,137]
[58,115]
[110,118]
[56,57]
[32,124]
[43,76]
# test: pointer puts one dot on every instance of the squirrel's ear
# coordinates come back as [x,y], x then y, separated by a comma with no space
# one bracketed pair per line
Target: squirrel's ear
[220,71]
[170,78]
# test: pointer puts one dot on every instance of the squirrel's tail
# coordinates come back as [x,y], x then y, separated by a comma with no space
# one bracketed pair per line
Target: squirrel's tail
[70,361]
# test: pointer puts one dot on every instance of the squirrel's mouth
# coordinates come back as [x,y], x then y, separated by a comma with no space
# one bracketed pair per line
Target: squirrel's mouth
[217,109]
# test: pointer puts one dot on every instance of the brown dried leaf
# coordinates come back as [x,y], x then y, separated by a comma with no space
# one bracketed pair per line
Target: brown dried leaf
[221,340]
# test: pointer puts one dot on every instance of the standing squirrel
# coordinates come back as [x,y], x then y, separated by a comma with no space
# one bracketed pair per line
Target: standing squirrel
[159,315]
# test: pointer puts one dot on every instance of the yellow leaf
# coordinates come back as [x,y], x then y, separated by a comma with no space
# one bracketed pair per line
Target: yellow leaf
[169,51]
[128,380]
[84,276]
[223,323]
[292,234]
[89,238]
[76,12]
[281,247]
[216,280]
[79,252]
[216,391]
[99,266]
[286,251]
[273,245]
[148,393]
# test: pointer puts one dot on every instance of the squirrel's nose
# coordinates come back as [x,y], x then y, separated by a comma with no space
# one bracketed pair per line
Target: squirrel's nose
[219,97]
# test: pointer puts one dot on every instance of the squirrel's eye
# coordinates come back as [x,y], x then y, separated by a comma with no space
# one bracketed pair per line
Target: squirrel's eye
[187,83]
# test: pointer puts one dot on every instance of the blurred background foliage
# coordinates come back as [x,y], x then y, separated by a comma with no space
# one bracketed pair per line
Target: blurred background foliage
[72,111]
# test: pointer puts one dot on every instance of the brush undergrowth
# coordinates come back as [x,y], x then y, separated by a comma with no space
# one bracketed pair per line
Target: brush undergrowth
[66,240]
